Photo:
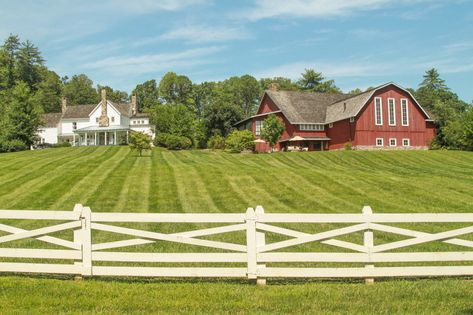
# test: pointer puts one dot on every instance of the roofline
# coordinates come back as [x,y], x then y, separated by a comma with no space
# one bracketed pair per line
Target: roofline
[259,115]
[108,102]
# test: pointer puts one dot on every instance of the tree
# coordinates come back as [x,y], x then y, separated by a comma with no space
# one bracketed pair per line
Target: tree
[147,95]
[23,115]
[314,82]
[177,120]
[10,50]
[220,117]
[240,140]
[49,91]
[243,91]
[284,84]
[29,66]
[113,95]
[140,142]
[175,89]
[79,90]
[203,95]
[272,130]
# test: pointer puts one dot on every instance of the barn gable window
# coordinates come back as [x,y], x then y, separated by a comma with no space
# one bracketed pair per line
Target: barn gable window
[259,126]
[404,112]
[392,111]
[378,111]
[379,142]
[311,127]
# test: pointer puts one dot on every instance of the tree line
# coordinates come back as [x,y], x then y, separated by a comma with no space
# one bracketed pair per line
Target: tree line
[180,107]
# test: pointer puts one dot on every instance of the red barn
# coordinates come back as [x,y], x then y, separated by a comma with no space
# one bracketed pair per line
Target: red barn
[387,116]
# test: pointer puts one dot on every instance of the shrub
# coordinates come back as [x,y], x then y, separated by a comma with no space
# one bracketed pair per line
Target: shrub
[63,144]
[12,146]
[239,141]
[174,142]
[160,139]
[348,146]
[140,142]
[216,142]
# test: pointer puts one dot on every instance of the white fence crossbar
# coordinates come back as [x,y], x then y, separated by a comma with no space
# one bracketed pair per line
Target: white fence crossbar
[253,258]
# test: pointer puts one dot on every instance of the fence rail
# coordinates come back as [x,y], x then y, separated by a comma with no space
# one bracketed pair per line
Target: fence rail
[257,258]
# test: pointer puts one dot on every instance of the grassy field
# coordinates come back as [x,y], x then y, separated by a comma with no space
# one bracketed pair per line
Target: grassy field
[113,179]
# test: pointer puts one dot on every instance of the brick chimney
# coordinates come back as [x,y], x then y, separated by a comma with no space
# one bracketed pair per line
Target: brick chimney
[133,105]
[103,120]
[273,87]
[63,104]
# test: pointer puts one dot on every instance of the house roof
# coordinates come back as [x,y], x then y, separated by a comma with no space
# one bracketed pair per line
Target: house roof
[78,111]
[51,120]
[304,107]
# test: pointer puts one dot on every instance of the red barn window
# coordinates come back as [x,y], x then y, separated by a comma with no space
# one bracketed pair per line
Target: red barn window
[392,111]
[378,111]
[404,113]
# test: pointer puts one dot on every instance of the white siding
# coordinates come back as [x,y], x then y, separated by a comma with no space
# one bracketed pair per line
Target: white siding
[48,135]
[111,112]
[66,125]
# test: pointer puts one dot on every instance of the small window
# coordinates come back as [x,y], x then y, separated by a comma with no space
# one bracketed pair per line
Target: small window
[406,142]
[330,125]
[404,112]
[259,126]
[142,122]
[74,125]
[311,127]
[96,119]
[392,142]
[113,119]
[378,111]
[352,119]
[379,142]
[392,111]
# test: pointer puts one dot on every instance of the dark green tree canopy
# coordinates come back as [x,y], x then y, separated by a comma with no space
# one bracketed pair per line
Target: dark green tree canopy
[272,129]
[175,89]
[147,95]
[113,95]
[79,90]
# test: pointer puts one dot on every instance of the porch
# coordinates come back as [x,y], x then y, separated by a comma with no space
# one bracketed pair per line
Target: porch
[92,136]
[299,143]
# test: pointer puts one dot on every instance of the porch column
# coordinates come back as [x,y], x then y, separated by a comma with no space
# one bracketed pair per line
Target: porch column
[95,138]
[322,145]
[74,140]
[106,143]
[86,139]
[127,137]
[115,138]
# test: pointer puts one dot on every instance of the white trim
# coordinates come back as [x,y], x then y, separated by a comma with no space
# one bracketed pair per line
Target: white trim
[380,111]
[395,142]
[393,123]
[311,127]
[382,142]
[408,142]
[407,112]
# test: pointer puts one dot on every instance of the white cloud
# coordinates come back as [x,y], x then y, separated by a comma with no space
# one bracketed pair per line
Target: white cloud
[201,33]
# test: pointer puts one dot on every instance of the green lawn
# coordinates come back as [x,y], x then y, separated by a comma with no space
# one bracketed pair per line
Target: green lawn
[113,179]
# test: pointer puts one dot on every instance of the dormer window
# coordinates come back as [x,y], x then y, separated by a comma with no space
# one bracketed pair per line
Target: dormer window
[113,119]
[96,119]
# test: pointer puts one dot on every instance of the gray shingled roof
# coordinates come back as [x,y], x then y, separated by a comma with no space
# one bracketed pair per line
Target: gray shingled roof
[79,111]
[348,107]
[50,120]
[304,107]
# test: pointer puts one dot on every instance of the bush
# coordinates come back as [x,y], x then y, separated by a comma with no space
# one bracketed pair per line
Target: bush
[348,146]
[216,142]
[172,142]
[12,146]
[63,144]
[239,141]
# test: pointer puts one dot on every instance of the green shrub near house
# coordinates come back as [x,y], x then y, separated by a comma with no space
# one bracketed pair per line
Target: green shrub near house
[216,142]
[172,142]
[240,140]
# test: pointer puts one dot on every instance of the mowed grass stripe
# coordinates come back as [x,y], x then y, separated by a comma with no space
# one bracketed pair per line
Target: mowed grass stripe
[192,191]
[9,164]
[163,186]
[55,185]
[85,187]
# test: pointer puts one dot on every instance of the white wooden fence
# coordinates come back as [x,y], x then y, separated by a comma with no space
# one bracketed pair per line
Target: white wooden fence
[255,257]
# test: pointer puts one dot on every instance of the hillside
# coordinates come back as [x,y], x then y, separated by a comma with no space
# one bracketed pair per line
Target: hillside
[113,179]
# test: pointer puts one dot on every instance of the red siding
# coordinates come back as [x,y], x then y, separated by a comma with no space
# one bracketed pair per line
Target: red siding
[418,131]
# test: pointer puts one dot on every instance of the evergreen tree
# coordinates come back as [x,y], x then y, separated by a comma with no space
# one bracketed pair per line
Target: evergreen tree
[314,82]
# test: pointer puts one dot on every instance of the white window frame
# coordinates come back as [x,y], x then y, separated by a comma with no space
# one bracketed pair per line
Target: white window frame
[408,142]
[405,102]
[352,119]
[382,142]
[258,127]
[330,125]
[393,123]
[311,127]
[380,111]
[390,142]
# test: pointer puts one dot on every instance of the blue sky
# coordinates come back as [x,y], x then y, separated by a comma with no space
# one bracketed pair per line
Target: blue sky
[358,43]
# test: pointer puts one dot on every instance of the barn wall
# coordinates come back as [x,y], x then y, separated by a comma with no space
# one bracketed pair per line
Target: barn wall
[418,131]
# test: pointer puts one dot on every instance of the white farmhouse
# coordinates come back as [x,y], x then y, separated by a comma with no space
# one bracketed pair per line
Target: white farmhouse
[105,123]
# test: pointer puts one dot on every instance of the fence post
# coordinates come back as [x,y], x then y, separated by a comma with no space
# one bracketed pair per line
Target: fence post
[83,236]
[78,237]
[368,241]
[251,242]
[260,241]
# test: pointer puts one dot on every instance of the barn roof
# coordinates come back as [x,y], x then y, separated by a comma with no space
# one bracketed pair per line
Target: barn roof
[304,107]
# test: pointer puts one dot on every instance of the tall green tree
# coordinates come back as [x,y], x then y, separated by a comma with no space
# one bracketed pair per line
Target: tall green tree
[49,91]
[147,95]
[315,82]
[172,119]
[79,90]
[176,89]
[244,91]
[10,50]
[284,84]
[203,95]
[29,66]
[220,117]
[113,95]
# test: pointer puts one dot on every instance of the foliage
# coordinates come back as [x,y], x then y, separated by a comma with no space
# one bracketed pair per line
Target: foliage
[160,139]
[147,95]
[113,95]
[12,146]
[284,84]
[216,142]
[172,142]
[174,119]
[314,82]
[243,92]
[220,117]
[79,90]
[240,140]
[272,130]
[348,146]
[140,142]
[175,89]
